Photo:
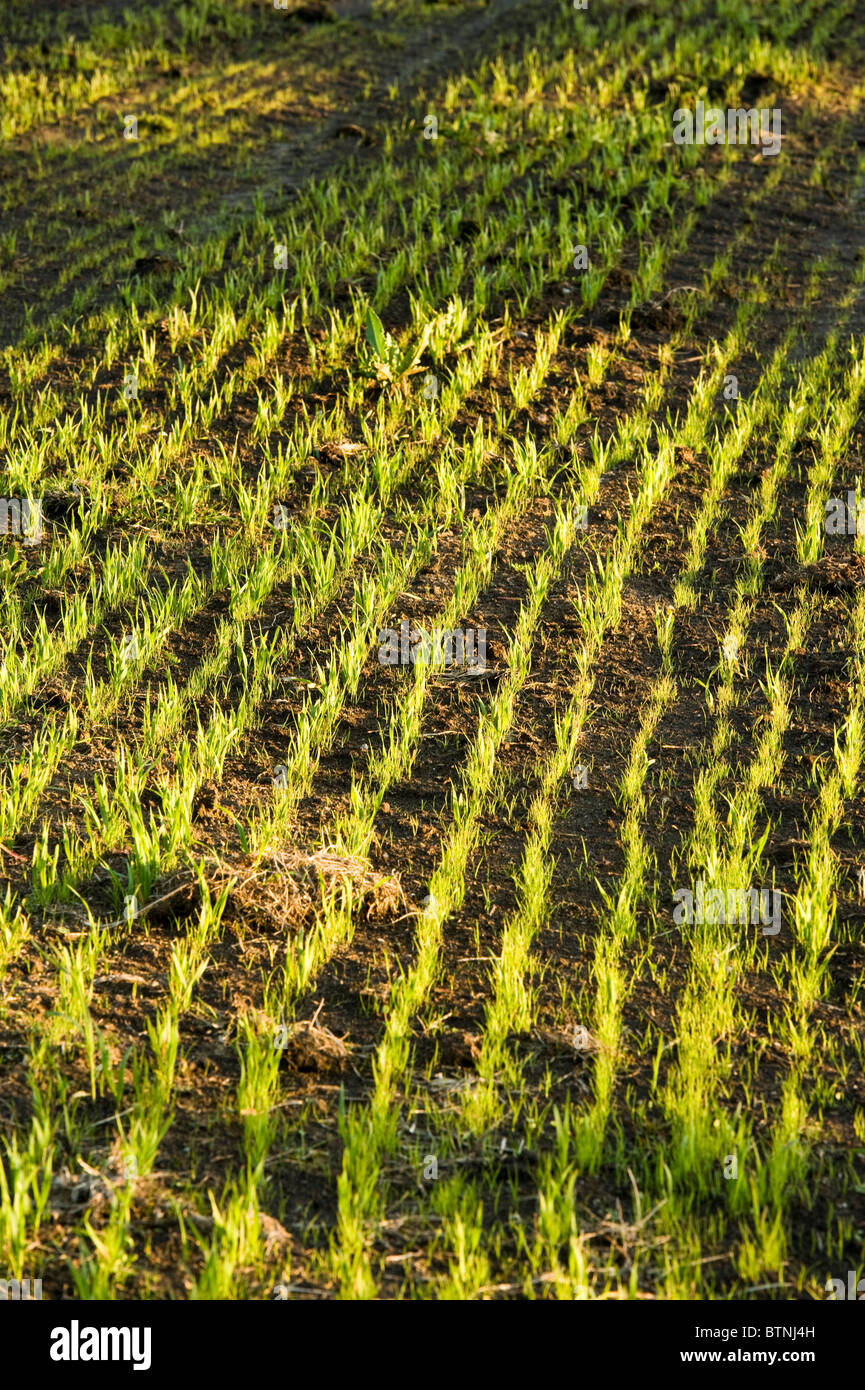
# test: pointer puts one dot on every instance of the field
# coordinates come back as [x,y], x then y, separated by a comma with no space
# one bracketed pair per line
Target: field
[432,656]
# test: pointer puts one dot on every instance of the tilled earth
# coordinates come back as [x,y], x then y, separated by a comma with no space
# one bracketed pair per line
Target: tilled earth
[327,1062]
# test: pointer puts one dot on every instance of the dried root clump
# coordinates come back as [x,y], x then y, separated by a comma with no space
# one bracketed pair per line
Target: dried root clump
[288,887]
